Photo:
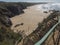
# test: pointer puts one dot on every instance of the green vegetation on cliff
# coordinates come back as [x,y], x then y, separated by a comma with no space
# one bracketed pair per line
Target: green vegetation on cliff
[8,37]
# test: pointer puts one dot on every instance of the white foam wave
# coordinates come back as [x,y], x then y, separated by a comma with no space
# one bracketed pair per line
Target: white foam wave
[47,7]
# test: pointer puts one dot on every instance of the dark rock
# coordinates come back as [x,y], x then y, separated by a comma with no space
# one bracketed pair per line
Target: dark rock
[18,25]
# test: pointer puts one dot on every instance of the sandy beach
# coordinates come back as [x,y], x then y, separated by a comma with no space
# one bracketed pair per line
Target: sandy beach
[30,20]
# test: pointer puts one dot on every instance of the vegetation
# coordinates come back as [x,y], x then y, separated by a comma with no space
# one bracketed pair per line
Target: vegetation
[8,37]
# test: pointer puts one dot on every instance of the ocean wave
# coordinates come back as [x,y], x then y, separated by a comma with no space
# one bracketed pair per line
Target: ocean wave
[47,7]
